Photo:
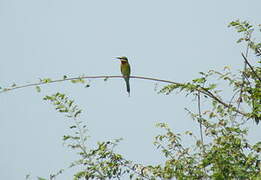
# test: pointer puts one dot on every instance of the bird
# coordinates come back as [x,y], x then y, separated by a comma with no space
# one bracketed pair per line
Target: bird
[125,71]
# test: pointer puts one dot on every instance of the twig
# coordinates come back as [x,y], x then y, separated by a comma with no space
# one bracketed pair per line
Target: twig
[251,67]
[234,95]
[211,95]
[200,117]
[243,78]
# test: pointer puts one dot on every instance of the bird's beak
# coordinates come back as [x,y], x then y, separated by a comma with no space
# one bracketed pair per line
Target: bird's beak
[117,58]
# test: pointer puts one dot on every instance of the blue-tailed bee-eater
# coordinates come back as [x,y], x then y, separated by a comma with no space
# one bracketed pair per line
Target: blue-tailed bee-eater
[125,71]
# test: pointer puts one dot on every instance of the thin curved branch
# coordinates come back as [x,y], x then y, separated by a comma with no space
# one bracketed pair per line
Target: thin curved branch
[211,95]
[200,89]
[251,67]
[84,77]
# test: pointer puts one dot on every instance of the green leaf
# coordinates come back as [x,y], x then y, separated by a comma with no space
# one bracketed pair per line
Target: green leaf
[66,137]
[80,80]
[46,80]
[200,80]
[38,88]
[212,86]
[40,178]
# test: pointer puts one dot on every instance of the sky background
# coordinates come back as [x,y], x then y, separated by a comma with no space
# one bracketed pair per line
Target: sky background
[168,39]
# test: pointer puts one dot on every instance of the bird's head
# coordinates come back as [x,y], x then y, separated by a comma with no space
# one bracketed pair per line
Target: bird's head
[123,59]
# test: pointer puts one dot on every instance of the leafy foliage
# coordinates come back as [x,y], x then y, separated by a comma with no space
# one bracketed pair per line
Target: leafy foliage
[224,157]
[97,163]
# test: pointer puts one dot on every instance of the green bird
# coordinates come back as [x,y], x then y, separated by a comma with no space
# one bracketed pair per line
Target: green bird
[125,71]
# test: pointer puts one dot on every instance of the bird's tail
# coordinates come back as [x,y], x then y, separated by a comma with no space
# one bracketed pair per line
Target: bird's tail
[127,80]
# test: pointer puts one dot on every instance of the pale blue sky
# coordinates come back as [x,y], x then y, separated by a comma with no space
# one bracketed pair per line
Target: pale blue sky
[167,39]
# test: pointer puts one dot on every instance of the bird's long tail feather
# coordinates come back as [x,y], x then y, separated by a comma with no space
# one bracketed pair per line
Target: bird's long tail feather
[127,80]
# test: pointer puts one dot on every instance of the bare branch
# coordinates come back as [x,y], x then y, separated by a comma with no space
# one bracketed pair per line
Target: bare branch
[199,89]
